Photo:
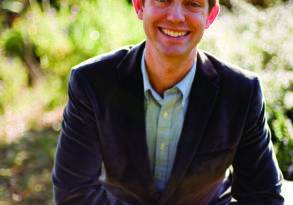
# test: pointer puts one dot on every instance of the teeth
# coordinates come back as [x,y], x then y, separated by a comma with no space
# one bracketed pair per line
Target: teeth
[174,33]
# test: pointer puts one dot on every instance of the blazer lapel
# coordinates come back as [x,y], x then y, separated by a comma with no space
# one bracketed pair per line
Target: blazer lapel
[201,102]
[132,98]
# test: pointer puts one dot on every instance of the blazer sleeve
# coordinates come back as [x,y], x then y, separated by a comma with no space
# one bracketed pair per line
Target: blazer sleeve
[257,178]
[78,158]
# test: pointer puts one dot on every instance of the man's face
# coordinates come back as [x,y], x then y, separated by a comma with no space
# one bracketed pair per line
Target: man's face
[174,27]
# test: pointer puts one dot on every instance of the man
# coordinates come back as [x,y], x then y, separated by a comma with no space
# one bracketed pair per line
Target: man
[163,123]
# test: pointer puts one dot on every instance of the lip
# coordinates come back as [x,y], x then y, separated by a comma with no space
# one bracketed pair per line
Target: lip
[174,30]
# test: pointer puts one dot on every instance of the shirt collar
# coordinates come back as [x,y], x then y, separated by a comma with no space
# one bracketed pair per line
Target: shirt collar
[184,86]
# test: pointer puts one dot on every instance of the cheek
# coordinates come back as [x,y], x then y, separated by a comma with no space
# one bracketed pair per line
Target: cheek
[153,13]
[199,19]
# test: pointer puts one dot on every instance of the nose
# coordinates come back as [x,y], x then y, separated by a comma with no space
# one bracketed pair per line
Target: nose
[176,13]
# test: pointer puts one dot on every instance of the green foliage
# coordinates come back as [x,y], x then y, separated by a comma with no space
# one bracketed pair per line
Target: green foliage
[282,139]
[25,169]
[266,3]
[60,39]
[281,128]
[254,39]
[14,43]
[12,79]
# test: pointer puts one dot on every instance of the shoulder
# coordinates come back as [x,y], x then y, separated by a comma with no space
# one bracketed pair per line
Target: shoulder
[233,75]
[105,62]
[228,70]
[236,84]
[101,70]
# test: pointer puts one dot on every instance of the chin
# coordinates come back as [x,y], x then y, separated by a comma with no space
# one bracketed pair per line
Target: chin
[175,52]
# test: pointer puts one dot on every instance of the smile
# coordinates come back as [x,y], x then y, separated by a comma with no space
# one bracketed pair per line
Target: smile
[174,34]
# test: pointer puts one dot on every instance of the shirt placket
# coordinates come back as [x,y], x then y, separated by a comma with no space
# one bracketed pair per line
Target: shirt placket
[163,140]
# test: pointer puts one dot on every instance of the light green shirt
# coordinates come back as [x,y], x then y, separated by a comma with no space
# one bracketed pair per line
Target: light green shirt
[164,120]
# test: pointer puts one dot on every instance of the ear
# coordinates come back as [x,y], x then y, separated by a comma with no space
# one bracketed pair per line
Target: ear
[140,14]
[212,15]
[138,7]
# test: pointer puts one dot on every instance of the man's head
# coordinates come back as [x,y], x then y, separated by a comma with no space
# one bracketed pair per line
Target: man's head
[212,3]
[213,6]
[175,27]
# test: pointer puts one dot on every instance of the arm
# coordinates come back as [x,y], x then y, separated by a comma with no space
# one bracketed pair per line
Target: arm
[257,177]
[78,159]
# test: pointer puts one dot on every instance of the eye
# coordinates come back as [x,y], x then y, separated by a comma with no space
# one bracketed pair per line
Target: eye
[161,3]
[194,3]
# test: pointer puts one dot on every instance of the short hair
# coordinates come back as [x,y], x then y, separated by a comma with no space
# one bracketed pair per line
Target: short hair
[212,3]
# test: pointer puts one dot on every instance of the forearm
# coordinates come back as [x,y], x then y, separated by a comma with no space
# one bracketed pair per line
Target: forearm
[90,196]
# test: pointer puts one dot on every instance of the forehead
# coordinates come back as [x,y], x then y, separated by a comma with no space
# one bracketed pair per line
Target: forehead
[207,1]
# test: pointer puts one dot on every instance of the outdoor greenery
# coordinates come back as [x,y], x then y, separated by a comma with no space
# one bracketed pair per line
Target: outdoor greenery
[40,41]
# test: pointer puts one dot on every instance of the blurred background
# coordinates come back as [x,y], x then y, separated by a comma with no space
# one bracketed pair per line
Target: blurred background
[40,41]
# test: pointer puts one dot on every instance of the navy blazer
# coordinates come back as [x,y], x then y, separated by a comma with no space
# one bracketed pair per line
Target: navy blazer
[102,154]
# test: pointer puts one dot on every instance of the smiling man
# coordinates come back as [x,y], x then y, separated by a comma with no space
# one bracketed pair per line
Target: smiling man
[163,123]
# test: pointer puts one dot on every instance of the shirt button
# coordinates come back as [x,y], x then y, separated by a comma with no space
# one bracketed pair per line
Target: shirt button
[165,114]
[162,147]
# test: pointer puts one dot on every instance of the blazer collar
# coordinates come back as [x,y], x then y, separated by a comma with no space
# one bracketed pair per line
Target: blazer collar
[131,83]
[203,96]
[129,71]
[202,100]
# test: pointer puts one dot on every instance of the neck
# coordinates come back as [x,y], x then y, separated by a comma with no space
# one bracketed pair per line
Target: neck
[166,71]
